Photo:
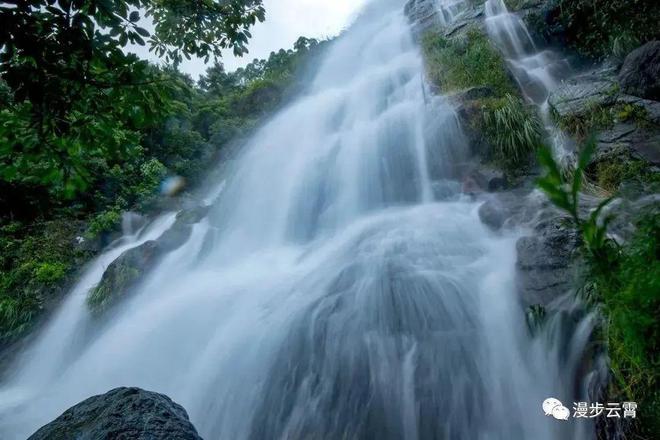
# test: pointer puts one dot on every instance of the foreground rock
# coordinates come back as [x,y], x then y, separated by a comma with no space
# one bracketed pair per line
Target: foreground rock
[640,73]
[121,414]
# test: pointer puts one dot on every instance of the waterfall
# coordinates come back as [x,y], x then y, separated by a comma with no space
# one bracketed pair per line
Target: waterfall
[341,287]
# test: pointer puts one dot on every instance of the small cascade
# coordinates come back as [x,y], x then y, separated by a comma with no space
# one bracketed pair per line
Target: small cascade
[449,10]
[537,72]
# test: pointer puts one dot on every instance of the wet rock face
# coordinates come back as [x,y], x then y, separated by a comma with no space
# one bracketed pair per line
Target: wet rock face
[422,14]
[548,256]
[577,96]
[640,73]
[594,96]
[546,262]
[121,414]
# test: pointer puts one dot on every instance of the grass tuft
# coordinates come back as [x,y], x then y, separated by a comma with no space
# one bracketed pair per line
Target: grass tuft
[466,61]
[514,129]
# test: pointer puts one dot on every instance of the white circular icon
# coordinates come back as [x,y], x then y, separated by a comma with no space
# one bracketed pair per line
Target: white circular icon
[549,404]
[553,407]
[560,412]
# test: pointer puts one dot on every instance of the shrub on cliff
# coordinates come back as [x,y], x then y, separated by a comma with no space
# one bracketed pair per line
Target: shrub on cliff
[601,28]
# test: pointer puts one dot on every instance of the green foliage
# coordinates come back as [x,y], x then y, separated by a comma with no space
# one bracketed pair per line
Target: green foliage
[105,222]
[78,97]
[34,260]
[625,282]
[630,294]
[608,27]
[16,315]
[610,174]
[49,273]
[514,129]
[598,117]
[466,61]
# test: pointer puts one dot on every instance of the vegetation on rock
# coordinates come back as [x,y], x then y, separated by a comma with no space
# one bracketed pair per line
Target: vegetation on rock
[623,280]
[597,116]
[469,60]
[514,130]
[598,29]
[35,260]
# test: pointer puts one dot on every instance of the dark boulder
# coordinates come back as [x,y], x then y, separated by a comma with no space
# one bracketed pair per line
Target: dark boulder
[493,214]
[640,73]
[514,208]
[578,96]
[121,414]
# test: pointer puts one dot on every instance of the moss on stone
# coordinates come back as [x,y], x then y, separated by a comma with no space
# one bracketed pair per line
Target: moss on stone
[597,117]
[610,174]
[50,272]
[107,292]
[122,275]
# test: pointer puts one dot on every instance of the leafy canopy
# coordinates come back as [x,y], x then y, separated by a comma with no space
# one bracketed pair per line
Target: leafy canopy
[71,93]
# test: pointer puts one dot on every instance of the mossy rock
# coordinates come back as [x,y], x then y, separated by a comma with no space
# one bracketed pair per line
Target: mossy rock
[123,274]
[131,267]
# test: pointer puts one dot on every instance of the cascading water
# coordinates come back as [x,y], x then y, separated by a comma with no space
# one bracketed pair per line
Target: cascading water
[538,72]
[340,288]
[448,10]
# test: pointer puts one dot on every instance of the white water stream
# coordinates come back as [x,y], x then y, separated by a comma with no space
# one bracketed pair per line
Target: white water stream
[347,289]
[538,72]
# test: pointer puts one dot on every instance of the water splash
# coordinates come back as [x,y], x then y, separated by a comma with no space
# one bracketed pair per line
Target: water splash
[341,287]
